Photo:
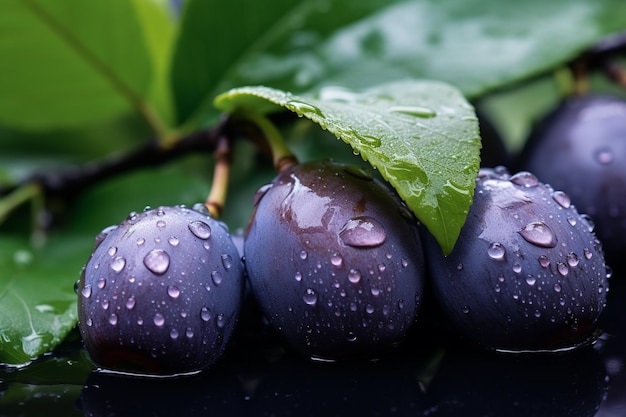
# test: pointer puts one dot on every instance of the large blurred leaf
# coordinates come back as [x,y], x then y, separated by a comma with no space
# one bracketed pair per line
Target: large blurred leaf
[67,63]
[215,35]
[476,45]
[421,135]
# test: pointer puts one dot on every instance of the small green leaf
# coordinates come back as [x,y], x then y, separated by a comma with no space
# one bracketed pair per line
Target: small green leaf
[37,299]
[421,135]
[68,63]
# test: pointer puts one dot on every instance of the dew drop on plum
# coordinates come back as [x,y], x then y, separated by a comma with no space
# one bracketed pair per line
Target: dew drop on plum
[159,320]
[205,314]
[173,291]
[525,179]
[496,251]
[118,264]
[539,234]
[157,261]
[200,229]
[562,199]
[217,277]
[363,231]
[310,297]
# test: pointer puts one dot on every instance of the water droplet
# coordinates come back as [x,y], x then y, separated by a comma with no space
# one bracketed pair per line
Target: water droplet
[303,255]
[459,267]
[604,156]
[217,277]
[557,287]
[351,337]
[359,172]
[588,221]
[105,304]
[112,251]
[130,303]
[363,231]
[200,229]
[572,259]
[562,268]
[539,234]
[517,268]
[189,333]
[571,221]
[158,320]
[369,309]
[157,261]
[174,334]
[525,179]
[89,322]
[227,261]
[466,309]
[354,276]
[375,291]
[113,319]
[141,241]
[117,264]
[404,263]
[381,267]
[530,280]
[102,283]
[419,111]
[588,254]
[496,251]
[310,297]
[544,261]
[300,107]
[173,291]
[336,260]
[86,291]
[220,321]
[205,314]
[173,240]
[298,276]
[562,199]
[160,224]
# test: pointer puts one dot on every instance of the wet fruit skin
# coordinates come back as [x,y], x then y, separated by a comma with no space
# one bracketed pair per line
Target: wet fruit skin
[334,261]
[526,274]
[580,148]
[161,293]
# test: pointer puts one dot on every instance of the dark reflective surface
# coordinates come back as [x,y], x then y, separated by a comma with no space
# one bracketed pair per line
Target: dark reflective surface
[429,376]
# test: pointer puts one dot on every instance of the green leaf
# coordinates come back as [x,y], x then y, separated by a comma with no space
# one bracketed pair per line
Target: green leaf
[216,35]
[476,45]
[37,298]
[421,135]
[68,63]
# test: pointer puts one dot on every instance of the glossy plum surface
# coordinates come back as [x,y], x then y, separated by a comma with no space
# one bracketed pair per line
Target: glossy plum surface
[527,273]
[334,261]
[161,293]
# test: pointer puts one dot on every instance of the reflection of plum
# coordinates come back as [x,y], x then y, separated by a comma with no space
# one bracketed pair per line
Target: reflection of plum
[613,348]
[472,384]
[214,394]
[298,388]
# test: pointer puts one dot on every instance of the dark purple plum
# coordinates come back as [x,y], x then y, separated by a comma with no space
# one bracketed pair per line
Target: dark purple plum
[580,148]
[335,261]
[161,293]
[526,274]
